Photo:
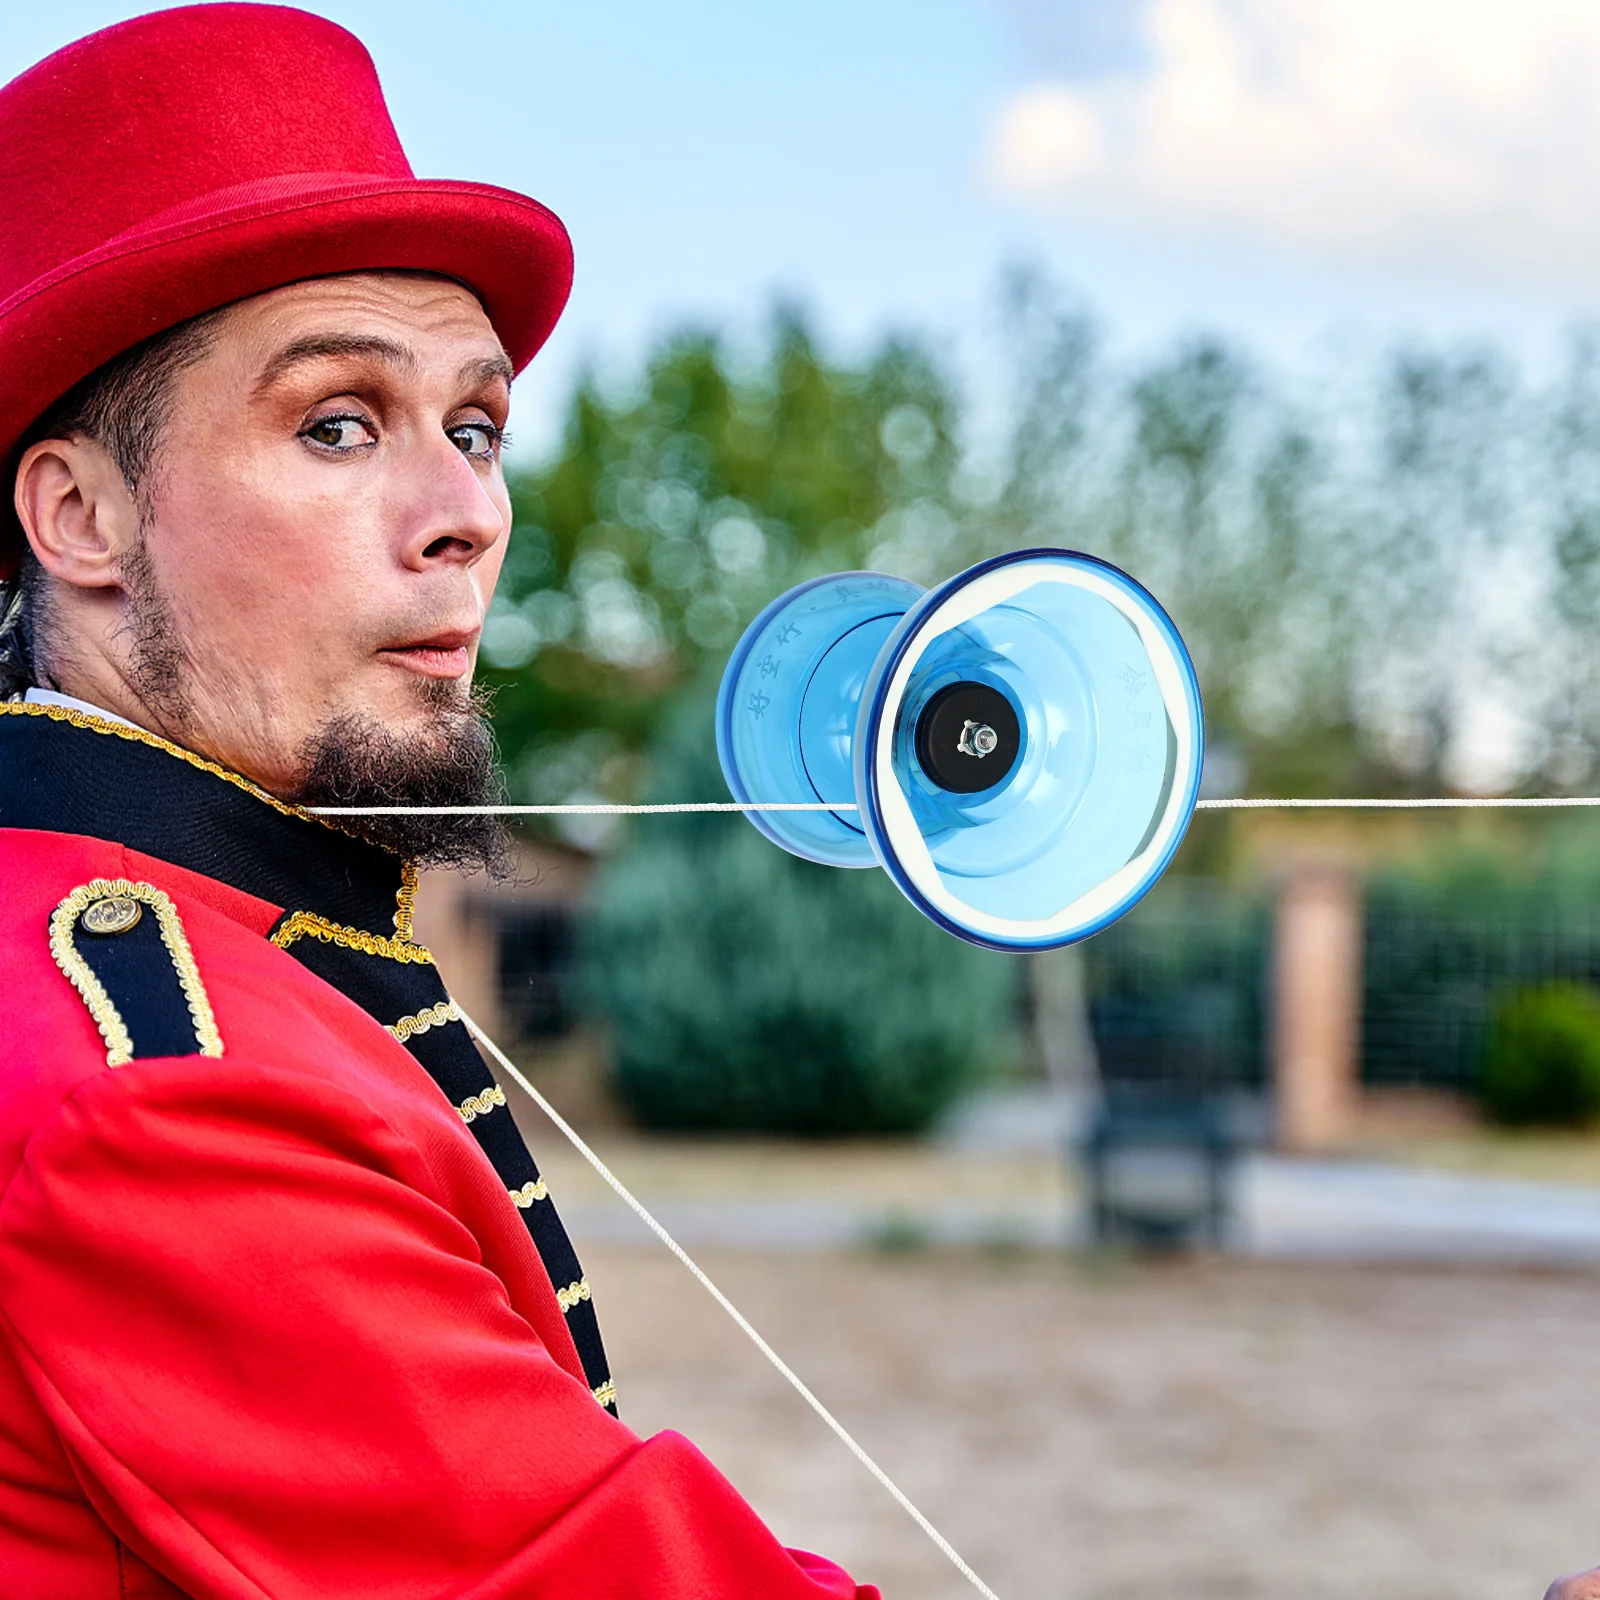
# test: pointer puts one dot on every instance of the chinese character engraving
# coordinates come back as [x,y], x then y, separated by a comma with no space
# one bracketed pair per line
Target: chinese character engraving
[1132,679]
[758,703]
[787,634]
[768,666]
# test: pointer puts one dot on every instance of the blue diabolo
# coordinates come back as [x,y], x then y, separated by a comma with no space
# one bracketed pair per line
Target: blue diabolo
[1019,748]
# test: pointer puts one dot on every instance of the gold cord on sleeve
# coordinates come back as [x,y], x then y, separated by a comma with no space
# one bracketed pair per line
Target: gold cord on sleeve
[573,1293]
[428,1017]
[480,1105]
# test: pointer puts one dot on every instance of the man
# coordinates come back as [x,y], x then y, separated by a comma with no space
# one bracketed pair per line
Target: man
[285,1305]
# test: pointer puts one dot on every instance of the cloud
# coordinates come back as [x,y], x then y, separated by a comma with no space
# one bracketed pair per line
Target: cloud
[1455,133]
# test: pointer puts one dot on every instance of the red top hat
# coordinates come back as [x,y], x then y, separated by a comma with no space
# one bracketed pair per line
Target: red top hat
[173,163]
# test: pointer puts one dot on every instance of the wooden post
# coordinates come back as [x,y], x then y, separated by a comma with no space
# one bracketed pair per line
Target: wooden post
[1317,1008]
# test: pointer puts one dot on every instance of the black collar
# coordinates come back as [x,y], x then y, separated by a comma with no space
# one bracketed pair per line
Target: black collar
[66,771]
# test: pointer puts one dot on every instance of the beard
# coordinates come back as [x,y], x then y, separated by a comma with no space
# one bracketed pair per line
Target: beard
[354,759]
[156,662]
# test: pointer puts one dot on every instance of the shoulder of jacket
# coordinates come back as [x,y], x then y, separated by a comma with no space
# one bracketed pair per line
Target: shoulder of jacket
[108,922]
[193,975]
[121,944]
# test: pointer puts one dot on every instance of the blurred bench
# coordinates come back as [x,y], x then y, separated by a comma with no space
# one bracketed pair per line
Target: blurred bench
[1159,1162]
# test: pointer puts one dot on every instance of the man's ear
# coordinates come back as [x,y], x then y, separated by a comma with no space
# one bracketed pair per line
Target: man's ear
[77,511]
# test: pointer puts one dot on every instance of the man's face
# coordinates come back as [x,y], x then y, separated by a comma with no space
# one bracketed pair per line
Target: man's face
[324,523]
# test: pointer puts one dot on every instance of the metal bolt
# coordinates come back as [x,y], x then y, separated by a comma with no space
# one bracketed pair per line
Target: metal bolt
[977,739]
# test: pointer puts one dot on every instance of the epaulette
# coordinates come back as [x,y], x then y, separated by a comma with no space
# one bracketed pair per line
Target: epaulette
[122,947]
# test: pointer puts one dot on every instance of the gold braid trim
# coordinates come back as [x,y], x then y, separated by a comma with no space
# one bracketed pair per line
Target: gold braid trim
[306,923]
[405,902]
[529,1192]
[428,1017]
[606,1394]
[574,1292]
[121,730]
[64,950]
[480,1105]
[401,948]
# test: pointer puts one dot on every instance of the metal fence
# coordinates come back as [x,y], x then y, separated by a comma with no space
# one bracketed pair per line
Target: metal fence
[1436,966]
[1177,989]
[1180,989]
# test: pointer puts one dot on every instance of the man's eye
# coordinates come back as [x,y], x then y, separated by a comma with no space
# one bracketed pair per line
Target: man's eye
[476,439]
[339,433]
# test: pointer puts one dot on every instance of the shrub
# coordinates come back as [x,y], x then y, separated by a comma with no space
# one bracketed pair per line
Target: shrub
[749,990]
[1542,1062]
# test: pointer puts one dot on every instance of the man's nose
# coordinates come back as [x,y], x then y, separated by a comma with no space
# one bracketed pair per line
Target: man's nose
[454,516]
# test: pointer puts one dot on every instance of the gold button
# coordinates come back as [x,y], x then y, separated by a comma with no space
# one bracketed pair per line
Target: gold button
[112,913]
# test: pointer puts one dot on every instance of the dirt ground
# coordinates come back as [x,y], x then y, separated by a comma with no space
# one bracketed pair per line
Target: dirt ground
[1130,1431]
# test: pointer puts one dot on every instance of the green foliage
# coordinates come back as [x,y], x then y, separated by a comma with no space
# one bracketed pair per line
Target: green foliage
[1511,902]
[1367,572]
[672,514]
[1175,992]
[1542,1063]
[1198,474]
[750,990]
[1361,566]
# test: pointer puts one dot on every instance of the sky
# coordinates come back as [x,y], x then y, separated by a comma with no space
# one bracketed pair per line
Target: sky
[1310,176]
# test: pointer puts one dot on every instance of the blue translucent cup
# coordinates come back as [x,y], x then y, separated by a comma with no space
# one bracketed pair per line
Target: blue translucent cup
[1019,748]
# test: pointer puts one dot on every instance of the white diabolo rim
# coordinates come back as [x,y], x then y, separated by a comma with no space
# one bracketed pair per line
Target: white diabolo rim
[1174,678]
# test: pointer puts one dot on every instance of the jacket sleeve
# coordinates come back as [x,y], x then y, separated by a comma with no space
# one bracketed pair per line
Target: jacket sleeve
[279,1367]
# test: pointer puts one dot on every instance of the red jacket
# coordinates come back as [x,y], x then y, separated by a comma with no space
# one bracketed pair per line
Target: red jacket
[269,1326]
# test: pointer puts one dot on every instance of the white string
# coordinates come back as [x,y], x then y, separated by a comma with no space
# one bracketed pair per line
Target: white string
[1437,803]
[727,1305]
[679,807]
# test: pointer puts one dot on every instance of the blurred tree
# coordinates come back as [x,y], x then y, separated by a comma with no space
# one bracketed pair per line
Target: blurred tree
[1369,572]
[1196,475]
[671,515]
[1570,426]
[1382,576]
[1541,1062]
[749,990]
[1389,579]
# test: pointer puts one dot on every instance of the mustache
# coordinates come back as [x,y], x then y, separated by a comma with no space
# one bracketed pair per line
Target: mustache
[455,622]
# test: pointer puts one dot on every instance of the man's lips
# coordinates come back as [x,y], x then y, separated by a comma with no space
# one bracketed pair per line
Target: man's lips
[440,655]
